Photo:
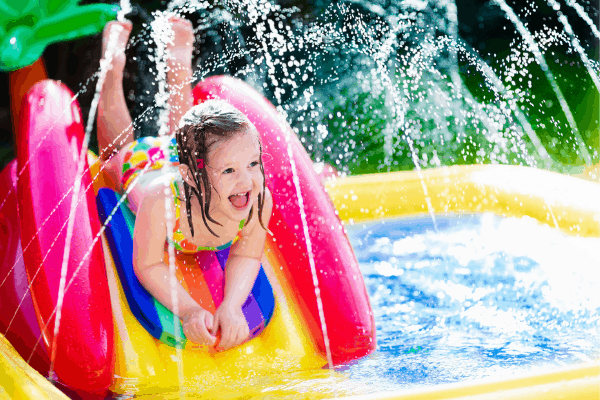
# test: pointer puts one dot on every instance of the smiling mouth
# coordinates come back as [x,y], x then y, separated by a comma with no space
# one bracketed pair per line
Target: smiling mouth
[240,201]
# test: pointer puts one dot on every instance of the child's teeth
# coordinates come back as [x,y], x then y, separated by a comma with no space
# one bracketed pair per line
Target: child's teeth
[239,200]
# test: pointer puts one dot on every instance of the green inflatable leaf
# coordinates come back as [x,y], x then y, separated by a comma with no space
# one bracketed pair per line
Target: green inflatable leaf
[16,8]
[54,6]
[28,26]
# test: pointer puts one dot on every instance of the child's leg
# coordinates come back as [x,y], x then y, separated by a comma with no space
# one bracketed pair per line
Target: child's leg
[179,73]
[114,122]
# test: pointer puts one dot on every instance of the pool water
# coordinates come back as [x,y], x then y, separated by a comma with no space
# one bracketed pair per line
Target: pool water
[480,297]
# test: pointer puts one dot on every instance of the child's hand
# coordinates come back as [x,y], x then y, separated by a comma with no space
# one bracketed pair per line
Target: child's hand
[233,324]
[197,325]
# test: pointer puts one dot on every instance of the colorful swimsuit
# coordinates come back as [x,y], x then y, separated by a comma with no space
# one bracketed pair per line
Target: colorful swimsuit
[181,243]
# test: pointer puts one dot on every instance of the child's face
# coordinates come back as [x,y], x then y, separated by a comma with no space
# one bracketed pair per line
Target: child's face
[234,172]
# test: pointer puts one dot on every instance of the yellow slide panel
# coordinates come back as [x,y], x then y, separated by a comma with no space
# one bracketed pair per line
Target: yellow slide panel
[144,365]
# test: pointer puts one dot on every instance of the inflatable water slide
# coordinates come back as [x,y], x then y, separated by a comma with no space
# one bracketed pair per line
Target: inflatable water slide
[111,330]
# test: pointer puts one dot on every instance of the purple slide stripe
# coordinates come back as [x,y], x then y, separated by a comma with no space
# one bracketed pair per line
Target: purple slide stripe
[252,313]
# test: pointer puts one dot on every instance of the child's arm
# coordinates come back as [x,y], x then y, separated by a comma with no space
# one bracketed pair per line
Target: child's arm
[149,237]
[241,270]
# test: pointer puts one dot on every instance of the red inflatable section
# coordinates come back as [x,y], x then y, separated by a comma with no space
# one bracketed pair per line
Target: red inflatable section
[52,135]
[17,317]
[348,315]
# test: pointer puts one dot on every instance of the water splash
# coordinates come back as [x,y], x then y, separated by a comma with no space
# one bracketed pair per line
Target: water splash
[533,46]
[581,12]
[125,9]
[575,42]
[173,282]
[502,305]
[311,257]
[162,33]
[500,90]
[84,258]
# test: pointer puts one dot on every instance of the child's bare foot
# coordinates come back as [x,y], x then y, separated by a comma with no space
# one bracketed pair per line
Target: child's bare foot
[181,47]
[179,73]
[114,122]
[114,42]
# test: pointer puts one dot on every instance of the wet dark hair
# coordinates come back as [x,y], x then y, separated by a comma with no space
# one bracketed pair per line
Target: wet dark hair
[209,123]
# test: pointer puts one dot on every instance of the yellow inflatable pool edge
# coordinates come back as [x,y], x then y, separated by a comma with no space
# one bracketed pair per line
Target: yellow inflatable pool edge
[19,381]
[576,383]
[562,201]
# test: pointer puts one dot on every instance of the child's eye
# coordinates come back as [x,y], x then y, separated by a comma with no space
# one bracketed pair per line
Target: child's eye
[228,171]
[254,163]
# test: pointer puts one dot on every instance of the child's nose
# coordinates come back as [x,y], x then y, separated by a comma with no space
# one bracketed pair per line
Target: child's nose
[245,179]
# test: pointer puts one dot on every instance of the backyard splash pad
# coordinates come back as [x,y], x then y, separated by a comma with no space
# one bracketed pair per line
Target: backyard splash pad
[521,191]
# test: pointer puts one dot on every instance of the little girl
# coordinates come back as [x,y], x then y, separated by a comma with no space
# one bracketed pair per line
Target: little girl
[217,199]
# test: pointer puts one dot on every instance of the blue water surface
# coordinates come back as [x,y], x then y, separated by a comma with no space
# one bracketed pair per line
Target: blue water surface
[477,297]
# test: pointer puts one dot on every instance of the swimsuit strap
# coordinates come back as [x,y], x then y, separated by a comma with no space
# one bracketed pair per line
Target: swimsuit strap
[180,242]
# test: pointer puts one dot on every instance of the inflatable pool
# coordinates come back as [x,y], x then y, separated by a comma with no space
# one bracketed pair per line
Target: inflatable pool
[559,201]
[115,352]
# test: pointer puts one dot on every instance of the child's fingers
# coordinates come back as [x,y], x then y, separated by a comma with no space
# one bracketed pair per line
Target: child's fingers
[209,321]
[192,333]
[226,334]
[235,335]
[215,324]
[196,336]
[199,334]
[242,335]
[223,340]
[217,344]
[205,334]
